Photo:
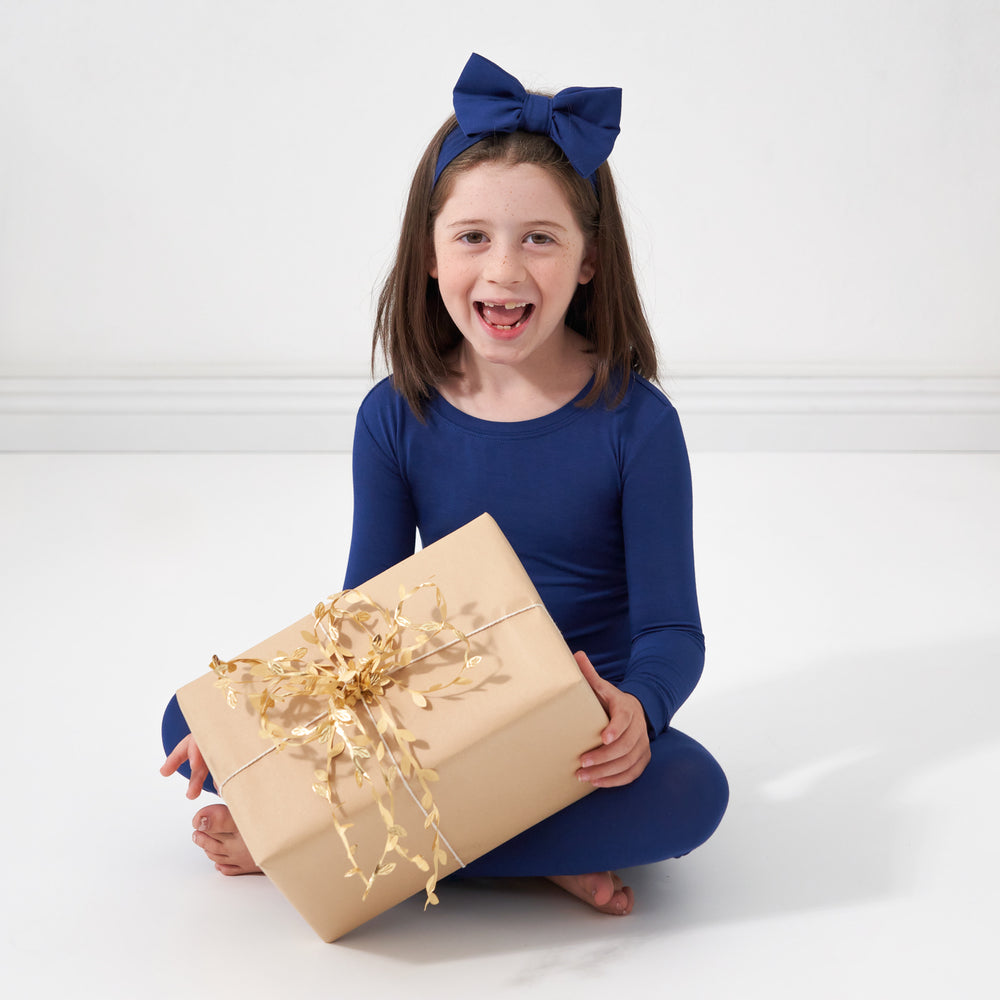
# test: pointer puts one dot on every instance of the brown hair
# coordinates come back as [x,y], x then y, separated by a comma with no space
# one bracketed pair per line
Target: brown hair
[412,326]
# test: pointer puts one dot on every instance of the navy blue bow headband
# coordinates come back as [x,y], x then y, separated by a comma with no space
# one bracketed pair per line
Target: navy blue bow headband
[581,121]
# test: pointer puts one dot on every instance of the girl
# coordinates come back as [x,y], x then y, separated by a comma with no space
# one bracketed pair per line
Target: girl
[521,364]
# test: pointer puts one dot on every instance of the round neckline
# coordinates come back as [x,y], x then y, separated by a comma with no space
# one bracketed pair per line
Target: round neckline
[511,428]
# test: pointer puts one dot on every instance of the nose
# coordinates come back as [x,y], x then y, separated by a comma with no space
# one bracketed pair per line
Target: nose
[504,265]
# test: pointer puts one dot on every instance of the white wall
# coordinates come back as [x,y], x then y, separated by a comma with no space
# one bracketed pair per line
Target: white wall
[211,189]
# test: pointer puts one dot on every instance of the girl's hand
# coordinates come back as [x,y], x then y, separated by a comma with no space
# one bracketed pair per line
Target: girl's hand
[624,752]
[188,750]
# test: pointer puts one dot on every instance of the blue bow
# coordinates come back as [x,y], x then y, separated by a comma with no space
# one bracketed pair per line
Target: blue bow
[581,121]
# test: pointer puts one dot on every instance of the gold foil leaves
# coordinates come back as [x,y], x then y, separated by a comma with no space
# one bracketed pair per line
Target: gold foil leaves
[354,652]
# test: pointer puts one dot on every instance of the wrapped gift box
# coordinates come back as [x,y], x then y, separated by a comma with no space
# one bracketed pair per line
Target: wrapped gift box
[504,745]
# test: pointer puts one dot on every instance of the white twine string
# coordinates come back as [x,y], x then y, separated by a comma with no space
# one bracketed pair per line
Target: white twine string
[413,795]
[399,770]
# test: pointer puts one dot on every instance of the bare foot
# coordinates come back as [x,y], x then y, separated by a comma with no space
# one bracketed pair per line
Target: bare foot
[216,834]
[604,891]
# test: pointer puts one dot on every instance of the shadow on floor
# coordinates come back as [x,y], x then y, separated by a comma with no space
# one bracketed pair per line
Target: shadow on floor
[819,761]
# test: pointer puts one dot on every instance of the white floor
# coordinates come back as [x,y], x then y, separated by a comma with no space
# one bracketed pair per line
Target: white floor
[852,605]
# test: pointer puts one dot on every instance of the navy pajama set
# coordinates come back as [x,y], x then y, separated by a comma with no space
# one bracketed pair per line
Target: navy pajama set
[596,501]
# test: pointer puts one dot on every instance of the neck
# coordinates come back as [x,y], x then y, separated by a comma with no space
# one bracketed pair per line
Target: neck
[505,392]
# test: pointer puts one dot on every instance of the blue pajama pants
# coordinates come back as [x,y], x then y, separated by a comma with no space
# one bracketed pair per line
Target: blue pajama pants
[672,807]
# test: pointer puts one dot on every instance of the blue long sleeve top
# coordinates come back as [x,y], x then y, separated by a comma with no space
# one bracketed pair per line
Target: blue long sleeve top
[595,501]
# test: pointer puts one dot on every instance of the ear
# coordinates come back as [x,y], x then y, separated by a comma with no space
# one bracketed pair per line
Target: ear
[432,266]
[588,266]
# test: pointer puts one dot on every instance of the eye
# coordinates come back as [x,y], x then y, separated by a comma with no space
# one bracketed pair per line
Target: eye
[474,238]
[539,239]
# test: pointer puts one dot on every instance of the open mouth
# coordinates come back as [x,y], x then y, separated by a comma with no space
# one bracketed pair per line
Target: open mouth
[505,316]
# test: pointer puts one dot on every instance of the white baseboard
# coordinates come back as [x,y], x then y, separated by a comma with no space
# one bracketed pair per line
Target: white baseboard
[842,413]
[719,413]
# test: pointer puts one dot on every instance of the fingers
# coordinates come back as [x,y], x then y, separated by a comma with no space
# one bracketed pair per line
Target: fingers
[623,710]
[623,765]
[199,771]
[604,690]
[618,762]
[594,679]
[624,752]
[187,750]
[177,756]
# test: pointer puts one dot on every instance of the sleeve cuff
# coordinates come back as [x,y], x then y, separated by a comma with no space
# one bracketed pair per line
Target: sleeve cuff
[656,712]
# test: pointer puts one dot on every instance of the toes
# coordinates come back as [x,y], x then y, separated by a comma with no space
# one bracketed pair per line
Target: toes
[227,869]
[208,844]
[622,901]
[612,896]
[216,834]
[215,819]
[603,888]
[221,855]
[622,898]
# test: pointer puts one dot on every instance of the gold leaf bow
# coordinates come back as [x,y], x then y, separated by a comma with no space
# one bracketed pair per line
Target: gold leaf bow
[352,685]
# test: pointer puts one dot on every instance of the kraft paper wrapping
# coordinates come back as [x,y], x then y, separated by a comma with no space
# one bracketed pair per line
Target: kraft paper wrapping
[505,747]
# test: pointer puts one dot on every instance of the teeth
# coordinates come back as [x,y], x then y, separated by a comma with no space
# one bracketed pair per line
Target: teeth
[506,305]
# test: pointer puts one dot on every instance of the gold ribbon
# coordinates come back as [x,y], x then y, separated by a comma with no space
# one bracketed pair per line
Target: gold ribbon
[353,683]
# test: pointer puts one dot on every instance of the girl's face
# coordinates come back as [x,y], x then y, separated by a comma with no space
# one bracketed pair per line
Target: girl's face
[508,256]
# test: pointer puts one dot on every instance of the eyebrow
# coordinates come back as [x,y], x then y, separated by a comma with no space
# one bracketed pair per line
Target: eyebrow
[530,224]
